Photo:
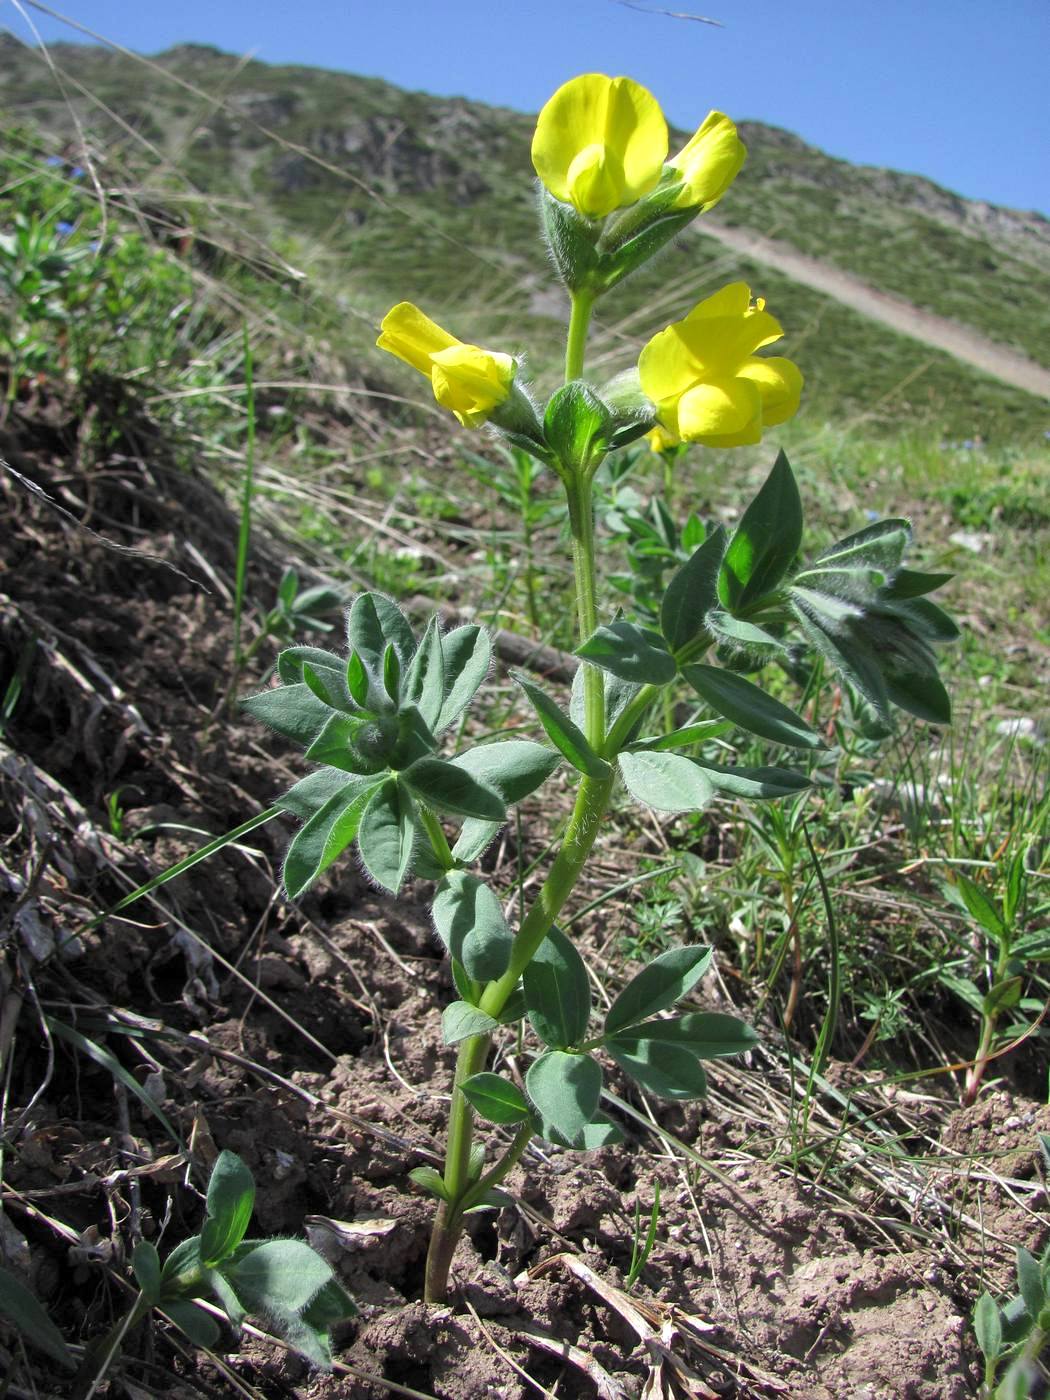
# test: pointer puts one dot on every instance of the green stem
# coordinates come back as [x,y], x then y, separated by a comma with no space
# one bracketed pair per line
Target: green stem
[501,1169]
[989,1020]
[592,799]
[438,840]
[449,1222]
[576,341]
[581,525]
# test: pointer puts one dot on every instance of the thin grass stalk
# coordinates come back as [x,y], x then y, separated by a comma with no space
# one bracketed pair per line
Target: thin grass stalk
[244,532]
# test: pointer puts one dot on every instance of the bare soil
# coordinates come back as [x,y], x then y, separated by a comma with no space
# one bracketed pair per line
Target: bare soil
[307,1039]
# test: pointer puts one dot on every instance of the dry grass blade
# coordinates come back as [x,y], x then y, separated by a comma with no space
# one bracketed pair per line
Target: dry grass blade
[657,1336]
[606,1386]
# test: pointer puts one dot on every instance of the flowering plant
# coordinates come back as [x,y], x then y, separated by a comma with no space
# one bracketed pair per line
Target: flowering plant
[376,722]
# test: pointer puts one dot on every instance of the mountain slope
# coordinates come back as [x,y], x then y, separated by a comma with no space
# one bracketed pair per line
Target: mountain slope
[385,194]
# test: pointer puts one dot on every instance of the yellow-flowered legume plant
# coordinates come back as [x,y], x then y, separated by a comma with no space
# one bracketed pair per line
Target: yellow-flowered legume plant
[378,722]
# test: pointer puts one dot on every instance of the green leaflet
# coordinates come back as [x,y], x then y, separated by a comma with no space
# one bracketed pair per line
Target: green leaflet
[765,542]
[666,980]
[669,782]
[692,592]
[459,1020]
[230,1202]
[496,1099]
[468,656]
[424,684]
[293,710]
[563,733]
[751,708]
[565,1089]
[325,836]
[386,835]
[630,652]
[666,1070]
[706,1034]
[516,767]
[448,787]
[557,992]
[470,922]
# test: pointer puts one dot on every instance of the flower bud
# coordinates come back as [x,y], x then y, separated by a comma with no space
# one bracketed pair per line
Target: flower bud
[708,163]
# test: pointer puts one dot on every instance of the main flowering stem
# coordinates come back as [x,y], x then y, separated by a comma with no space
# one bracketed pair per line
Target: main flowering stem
[592,798]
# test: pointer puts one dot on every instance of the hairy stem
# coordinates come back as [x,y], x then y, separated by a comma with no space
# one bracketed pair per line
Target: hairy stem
[575,344]
[592,798]
[438,840]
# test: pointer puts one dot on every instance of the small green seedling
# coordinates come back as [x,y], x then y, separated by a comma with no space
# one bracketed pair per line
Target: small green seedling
[298,610]
[641,1249]
[1016,945]
[1015,1334]
[282,1282]
[294,612]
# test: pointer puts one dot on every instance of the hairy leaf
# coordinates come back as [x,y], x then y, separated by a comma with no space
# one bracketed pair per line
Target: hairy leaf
[692,592]
[565,1089]
[666,1070]
[750,707]
[230,1202]
[765,542]
[470,922]
[496,1099]
[459,1020]
[668,782]
[557,992]
[630,652]
[666,980]
[386,835]
[563,733]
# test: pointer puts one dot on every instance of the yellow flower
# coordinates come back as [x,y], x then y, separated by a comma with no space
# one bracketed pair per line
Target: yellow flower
[467,380]
[600,143]
[705,380]
[709,162]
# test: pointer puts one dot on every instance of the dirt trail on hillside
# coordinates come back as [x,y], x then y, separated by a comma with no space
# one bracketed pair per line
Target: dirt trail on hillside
[965,344]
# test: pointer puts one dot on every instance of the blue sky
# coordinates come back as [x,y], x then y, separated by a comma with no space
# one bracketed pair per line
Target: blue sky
[951,89]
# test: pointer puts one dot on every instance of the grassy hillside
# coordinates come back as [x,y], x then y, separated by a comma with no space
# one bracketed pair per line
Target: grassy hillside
[381,194]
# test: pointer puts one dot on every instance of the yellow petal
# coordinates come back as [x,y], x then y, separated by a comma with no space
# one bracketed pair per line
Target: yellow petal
[616,115]
[730,300]
[709,162]
[732,408]
[779,382]
[595,179]
[667,366]
[471,382]
[660,440]
[727,327]
[412,337]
